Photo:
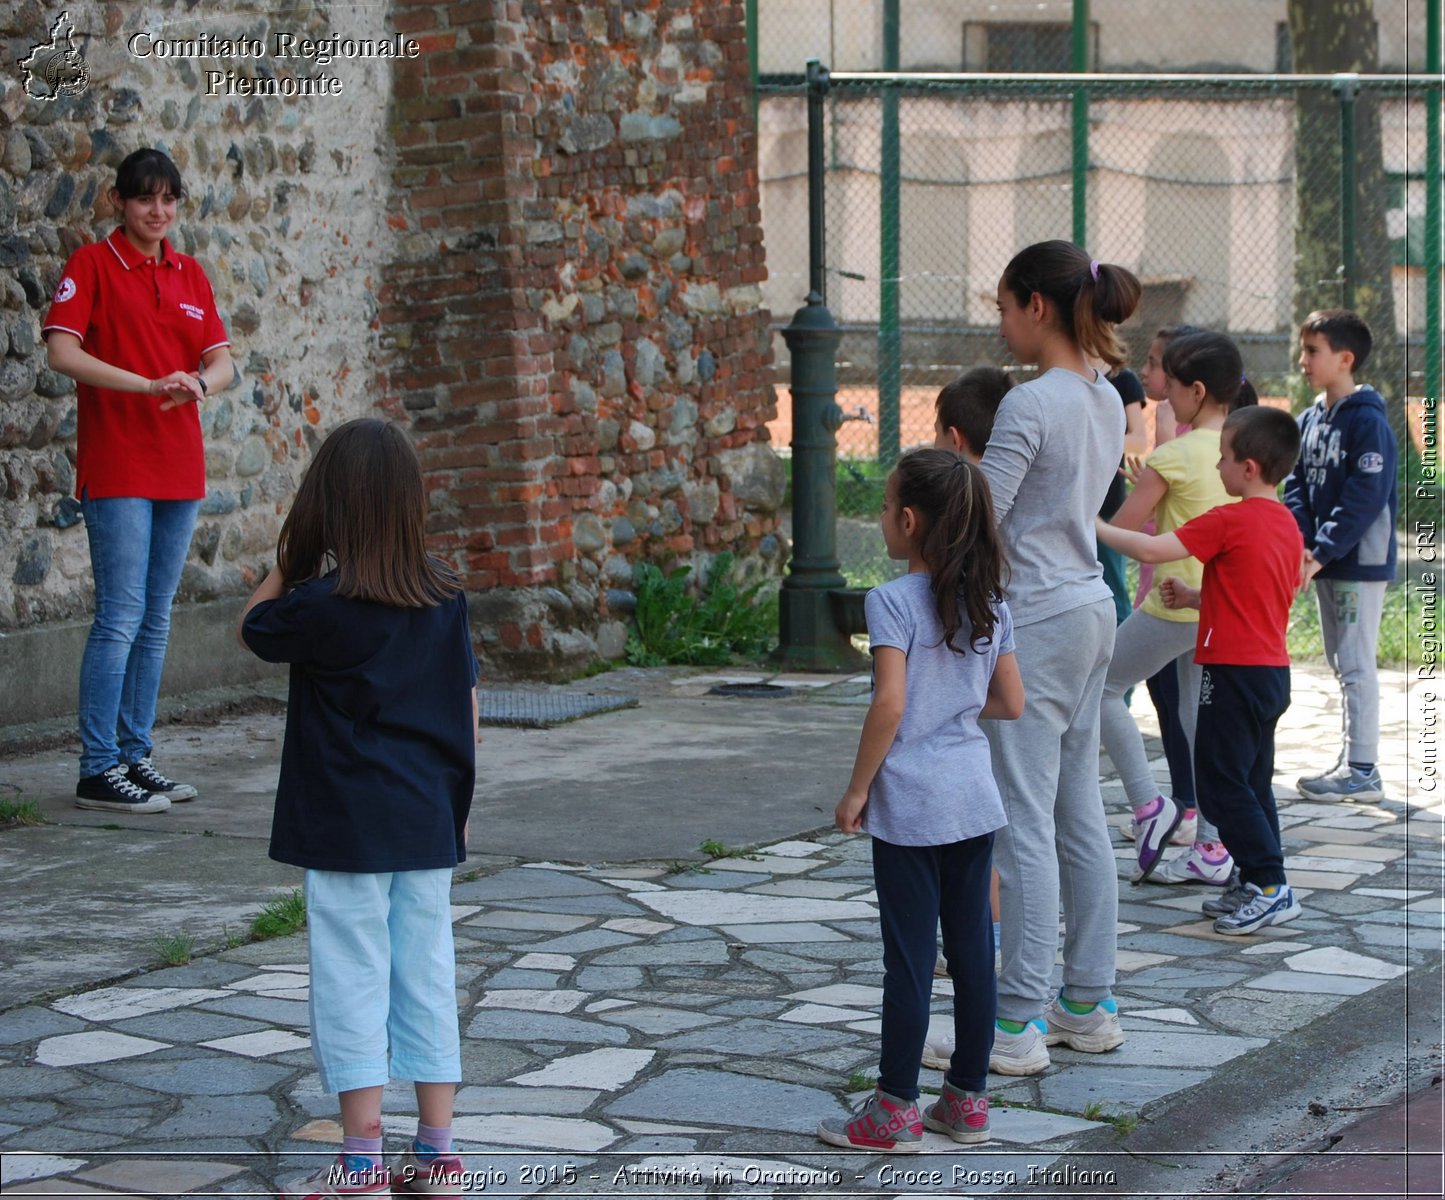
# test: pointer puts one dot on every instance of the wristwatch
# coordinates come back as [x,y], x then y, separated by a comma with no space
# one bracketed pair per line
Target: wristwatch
[201,379]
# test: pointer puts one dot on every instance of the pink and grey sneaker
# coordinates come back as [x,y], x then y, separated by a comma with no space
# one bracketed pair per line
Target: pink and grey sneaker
[961,1115]
[337,1178]
[1206,862]
[1183,836]
[428,1175]
[881,1123]
[1156,822]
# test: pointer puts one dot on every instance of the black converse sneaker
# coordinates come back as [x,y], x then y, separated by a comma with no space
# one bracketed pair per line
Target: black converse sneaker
[112,791]
[144,774]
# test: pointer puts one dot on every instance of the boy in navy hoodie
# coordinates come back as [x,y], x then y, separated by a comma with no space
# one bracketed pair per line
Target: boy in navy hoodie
[1344,495]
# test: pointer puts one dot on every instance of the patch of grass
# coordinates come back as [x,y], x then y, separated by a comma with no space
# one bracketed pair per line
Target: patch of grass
[1094,1111]
[175,950]
[20,812]
[716,849]
[284,915]
[1124,1123]
[860,1081]
[110,825]
[674,624]
[229,940]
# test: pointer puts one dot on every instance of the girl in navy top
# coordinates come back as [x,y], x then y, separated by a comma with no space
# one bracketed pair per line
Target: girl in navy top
[376,784]
[942,643]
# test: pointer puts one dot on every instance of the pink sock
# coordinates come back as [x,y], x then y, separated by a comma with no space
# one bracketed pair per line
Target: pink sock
[432,1140]
[361,1154]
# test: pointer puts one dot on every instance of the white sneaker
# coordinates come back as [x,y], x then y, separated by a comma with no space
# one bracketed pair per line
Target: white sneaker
[1020,1053]
[938,1051]
[1204,862]
[1183,836]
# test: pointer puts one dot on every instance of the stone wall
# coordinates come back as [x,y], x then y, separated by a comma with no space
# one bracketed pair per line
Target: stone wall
[537,241]
[282,214]
[576,321]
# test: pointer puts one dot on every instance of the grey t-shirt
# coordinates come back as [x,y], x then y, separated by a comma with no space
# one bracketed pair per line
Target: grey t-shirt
[1056,444]
[936,785]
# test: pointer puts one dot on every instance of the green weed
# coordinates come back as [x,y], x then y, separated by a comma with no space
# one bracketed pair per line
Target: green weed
[175,950]
[860,1081]
[675,625]
[20,812]
[716,849]
[284,915]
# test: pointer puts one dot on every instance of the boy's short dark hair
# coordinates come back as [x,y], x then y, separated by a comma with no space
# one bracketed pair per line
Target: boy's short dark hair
[970,403]
[1268,435]
[1344,330]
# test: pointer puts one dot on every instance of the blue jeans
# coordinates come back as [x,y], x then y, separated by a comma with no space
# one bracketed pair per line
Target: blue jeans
[137,550]
[383,978]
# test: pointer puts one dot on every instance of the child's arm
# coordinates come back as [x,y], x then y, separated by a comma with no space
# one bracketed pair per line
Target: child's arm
[1155,548]
[273,587]
[1177,594]
[1164,423]
[1296,498]
[1135,439]
[1005,692]
[880,727]
[1140,504]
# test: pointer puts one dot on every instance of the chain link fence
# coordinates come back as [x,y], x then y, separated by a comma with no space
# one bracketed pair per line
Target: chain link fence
[1227,198]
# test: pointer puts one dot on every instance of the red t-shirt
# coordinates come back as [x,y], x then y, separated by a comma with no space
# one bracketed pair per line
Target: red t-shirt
[151,316]
[1251,554]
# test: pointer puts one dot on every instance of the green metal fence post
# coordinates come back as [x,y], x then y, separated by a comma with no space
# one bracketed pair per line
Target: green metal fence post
[890,337]
[809,638]
[1080,150]
[1434,276]
[1347,88]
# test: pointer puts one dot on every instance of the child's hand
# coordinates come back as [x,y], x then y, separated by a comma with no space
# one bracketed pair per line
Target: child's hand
[1175,593]
[1133,468]
[848,816]
[1308,569]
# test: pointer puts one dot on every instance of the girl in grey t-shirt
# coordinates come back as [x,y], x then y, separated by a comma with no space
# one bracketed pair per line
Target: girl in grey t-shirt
[942,642]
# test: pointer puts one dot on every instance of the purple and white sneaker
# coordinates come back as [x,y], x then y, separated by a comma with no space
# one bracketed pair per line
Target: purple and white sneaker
[1156,822]
[1206,862]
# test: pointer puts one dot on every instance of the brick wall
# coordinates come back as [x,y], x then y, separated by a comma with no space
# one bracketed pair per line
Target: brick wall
[575,326]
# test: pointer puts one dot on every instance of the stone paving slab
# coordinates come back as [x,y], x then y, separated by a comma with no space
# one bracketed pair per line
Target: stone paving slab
[663,1019]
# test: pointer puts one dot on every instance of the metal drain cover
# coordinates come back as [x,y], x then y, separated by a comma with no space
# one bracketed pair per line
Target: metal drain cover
[751,691]
[542,710]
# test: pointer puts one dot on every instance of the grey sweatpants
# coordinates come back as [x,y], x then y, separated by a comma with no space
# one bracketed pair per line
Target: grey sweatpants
[1144,644]
[1056,843]
[1350,611]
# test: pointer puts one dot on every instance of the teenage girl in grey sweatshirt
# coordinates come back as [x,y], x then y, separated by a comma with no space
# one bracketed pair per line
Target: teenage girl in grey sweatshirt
[1055,446]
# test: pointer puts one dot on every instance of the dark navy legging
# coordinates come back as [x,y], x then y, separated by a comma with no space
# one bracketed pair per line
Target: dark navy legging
[1234,764]
[919,888]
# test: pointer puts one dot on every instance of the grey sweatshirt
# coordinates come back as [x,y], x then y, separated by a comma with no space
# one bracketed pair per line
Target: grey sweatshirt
[1056,444]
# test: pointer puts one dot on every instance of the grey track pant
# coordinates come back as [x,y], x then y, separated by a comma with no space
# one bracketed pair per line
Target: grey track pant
[1056,845]
[1350,611]
[1144,644]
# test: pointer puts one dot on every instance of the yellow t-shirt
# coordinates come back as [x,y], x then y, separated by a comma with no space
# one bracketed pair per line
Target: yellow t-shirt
[1189,466]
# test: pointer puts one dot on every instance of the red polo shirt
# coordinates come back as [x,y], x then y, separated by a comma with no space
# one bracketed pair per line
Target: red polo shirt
[151,316]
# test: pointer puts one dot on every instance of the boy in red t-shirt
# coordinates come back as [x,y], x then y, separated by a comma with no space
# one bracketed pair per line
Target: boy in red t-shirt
[1252,554]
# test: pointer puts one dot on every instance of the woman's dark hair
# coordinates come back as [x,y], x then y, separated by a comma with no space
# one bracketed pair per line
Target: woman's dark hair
[1091,297]
[959,540]
[1213,360]
[361,506]
[145,172]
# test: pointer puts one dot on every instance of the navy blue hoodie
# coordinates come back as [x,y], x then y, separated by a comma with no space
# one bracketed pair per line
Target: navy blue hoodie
[1343,490]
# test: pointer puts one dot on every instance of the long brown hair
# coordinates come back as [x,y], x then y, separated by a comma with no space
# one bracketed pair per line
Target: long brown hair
[1091,297]
[361,506]
[967,568]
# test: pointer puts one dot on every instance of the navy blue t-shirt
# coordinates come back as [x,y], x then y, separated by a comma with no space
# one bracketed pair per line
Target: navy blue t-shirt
[380,755]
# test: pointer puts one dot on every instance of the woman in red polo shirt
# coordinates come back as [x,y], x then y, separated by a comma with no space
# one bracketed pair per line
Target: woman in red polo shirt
[134,323]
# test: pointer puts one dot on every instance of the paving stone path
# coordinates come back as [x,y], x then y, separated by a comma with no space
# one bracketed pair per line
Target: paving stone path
[634,1029]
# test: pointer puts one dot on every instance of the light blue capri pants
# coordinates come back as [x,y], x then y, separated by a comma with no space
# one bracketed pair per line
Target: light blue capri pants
[383,978]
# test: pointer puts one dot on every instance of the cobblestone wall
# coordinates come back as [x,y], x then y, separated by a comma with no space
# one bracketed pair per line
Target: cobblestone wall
[576,319]
[282,214]
[537,240]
